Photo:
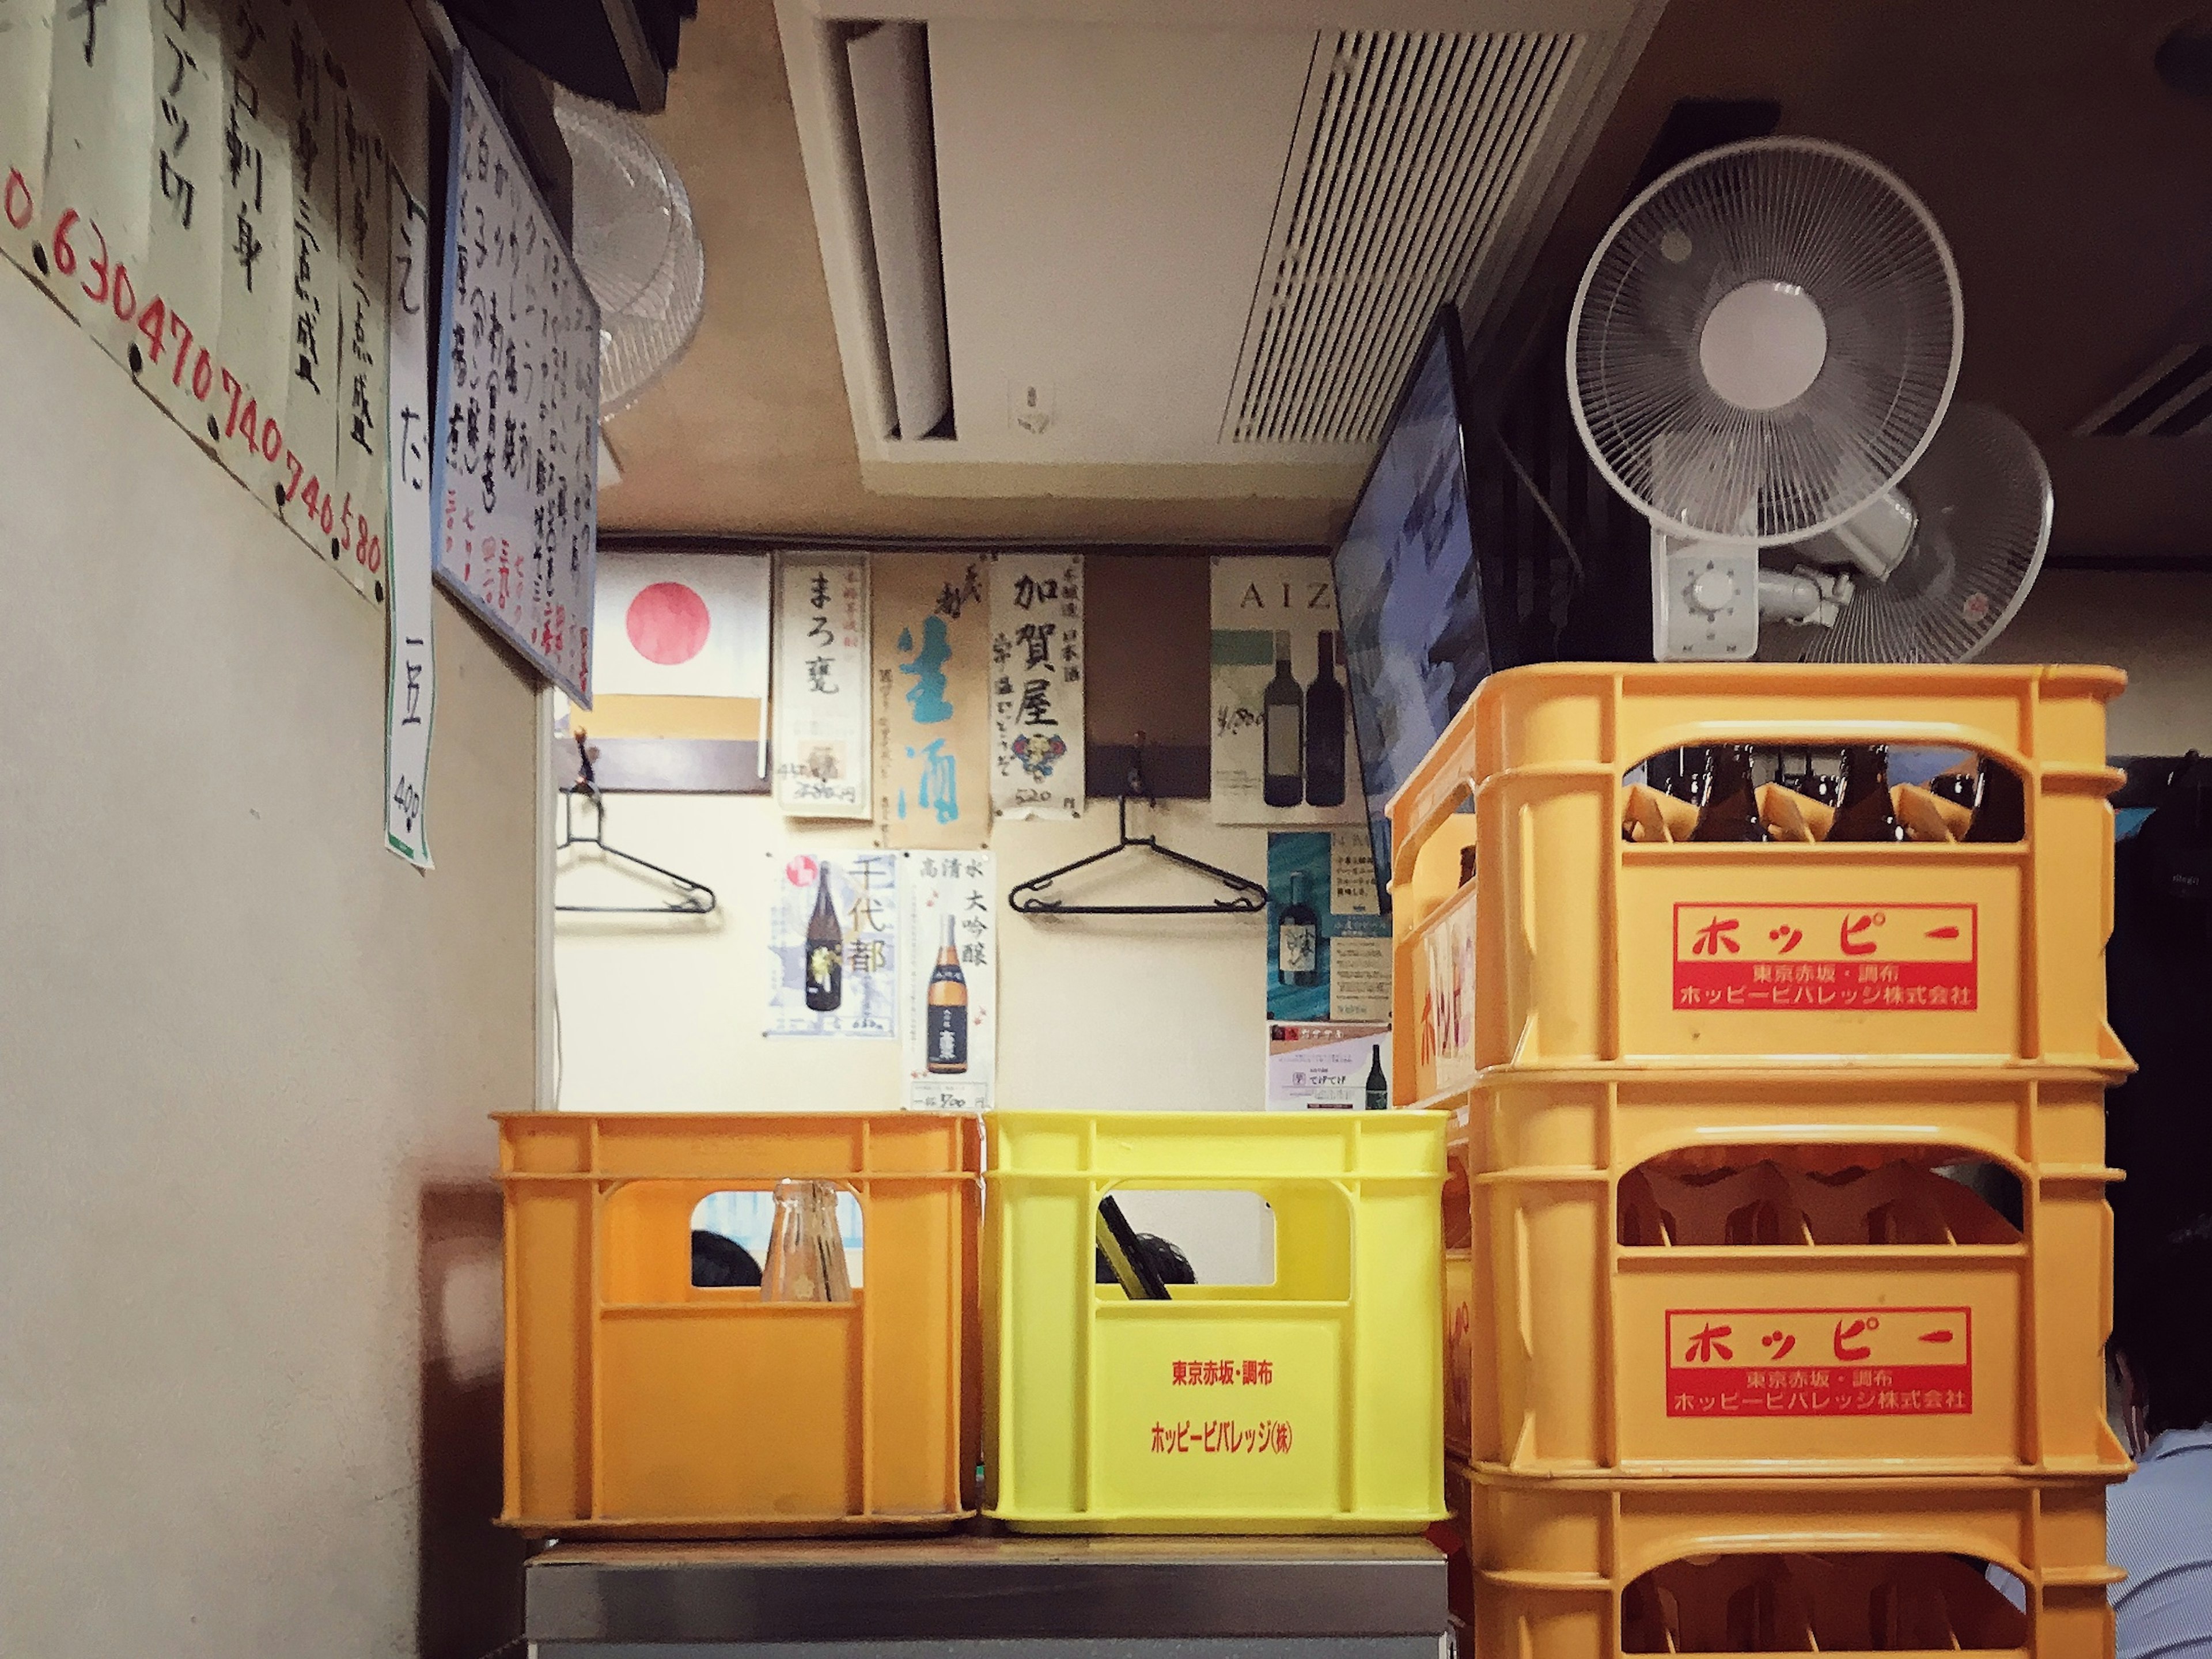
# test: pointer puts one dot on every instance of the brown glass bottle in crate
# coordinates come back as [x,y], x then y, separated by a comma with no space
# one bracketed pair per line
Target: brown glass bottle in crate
[1731,808]
[1866,814]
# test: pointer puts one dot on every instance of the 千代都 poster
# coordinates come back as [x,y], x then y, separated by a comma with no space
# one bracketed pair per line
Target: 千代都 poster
[832,944]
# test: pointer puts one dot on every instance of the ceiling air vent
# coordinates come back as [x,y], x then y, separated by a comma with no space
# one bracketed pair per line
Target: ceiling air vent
[1419,141]
[2172,398]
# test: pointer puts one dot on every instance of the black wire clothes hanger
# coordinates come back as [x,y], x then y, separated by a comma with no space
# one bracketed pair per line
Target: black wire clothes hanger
[693,898]
[1033,898]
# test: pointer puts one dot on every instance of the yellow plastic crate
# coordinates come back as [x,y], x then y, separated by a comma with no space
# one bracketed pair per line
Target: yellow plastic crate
[1582,1353]
[1570,946]
[1309,1405]
[1592,1570]
[641,1405]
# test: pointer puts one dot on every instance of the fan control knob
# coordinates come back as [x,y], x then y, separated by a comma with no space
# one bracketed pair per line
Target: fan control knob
[1713,591]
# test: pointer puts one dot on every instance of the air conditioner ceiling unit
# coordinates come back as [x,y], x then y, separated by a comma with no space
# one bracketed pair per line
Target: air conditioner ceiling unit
[1189,249]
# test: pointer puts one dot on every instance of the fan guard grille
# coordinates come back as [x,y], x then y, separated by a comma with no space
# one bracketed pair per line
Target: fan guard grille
[636,245]
[1983,498]
[1802,212]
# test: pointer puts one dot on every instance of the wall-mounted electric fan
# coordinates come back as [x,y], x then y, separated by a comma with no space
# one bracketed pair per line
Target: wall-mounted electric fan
[1760,358]
[636,245]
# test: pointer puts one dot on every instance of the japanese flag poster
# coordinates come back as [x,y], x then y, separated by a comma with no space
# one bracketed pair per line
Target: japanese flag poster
[1036,685]
[1283,750]
[952,975]
[684,625]
[833,933]
[821,748]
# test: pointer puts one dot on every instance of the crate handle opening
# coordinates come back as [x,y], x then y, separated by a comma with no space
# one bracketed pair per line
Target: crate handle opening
[1795,793]
[730,1236]
[1270,1241]
[1844,1194]
[1847,1602]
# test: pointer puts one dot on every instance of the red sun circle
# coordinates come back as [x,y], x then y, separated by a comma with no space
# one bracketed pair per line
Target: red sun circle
[667,623]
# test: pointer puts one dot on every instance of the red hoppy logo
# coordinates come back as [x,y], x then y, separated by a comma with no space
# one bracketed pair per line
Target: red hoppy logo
[800,871]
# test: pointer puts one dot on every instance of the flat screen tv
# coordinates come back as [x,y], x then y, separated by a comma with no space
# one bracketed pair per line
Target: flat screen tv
[1417,631]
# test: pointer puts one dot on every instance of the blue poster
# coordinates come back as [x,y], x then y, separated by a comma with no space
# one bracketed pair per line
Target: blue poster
[1328,946]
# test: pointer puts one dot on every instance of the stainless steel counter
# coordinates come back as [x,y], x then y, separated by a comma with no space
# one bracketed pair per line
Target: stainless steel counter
[968,1598]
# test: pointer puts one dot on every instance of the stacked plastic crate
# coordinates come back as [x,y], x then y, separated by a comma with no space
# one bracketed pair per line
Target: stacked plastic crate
[1730,1367]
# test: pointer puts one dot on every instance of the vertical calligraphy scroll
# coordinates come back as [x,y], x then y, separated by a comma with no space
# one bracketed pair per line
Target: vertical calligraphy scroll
[412,693]
[364,282]
[182,283]
[820,712]
[27,75]
[1036,685]
[258,263]
[931,646]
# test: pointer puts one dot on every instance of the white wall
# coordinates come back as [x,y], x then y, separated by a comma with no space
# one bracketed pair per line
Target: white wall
[249,1295]
[2156,625]
[1094,1013]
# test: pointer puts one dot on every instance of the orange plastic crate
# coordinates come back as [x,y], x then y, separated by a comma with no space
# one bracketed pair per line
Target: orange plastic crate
[1558,1569]
[1576,1353]
[638,1404]
[1570,946]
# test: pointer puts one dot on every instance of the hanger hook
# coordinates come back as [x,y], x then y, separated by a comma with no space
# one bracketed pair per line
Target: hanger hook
[1137,784]
[585,777]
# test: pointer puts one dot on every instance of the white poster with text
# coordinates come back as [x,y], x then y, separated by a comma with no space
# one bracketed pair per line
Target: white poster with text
[952,976]
[412,692]
[1036,685]
[832,944]
[822,735]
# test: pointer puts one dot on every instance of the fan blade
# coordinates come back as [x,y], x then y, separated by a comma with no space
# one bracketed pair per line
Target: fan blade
[1984,500]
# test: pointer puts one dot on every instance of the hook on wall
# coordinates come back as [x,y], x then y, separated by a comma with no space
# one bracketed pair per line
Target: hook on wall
[1034,897]
[693,898]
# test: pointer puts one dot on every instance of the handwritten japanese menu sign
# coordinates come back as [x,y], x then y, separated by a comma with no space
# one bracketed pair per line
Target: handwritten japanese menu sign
[1036,685]
[821,738]
[932,628]
[192,183]
[413,691]
[518,403]
[951,980]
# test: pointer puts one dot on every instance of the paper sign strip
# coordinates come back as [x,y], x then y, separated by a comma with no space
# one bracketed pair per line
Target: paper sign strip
[932,645]
[413,688]
[1036,685]
[822,737]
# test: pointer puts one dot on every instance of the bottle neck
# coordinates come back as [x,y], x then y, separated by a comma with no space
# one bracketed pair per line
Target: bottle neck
[1866,773]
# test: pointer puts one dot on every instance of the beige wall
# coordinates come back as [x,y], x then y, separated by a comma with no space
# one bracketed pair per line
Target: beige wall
[248,1242]
[2157,625]
[1095,1013]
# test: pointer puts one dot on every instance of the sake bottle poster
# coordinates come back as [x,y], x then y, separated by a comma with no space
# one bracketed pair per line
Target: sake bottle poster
[951,973]
[1283,750]
[832,944]
[1329,944]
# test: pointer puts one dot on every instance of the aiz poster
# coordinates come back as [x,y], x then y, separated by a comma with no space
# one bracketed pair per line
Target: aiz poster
[1282,747]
